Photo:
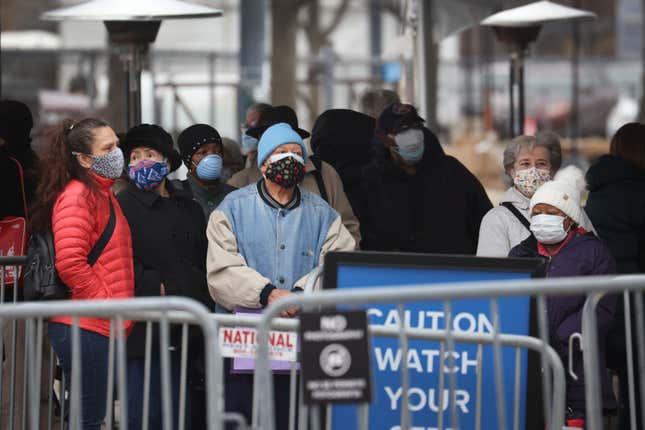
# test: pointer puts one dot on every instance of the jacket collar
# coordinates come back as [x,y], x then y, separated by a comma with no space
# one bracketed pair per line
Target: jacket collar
[512,195]
[266,197]
[148,198]
[530,244]
[102,183]
[207,193]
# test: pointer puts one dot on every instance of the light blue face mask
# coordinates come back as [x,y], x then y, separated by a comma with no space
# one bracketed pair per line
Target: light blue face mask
[410,145]
[249,144]
[210,167]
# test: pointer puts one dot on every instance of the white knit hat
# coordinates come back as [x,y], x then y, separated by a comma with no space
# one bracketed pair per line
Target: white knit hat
[563,192]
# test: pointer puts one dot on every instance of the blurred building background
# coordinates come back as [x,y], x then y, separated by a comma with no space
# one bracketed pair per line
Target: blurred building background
[317,55]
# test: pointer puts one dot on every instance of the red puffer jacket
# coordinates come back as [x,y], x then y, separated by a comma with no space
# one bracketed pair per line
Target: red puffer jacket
[78,220]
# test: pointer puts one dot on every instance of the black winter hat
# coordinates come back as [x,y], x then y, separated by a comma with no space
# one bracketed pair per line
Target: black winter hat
[398,117]
[274,115]
[16,121]
[151,136]
[195,136]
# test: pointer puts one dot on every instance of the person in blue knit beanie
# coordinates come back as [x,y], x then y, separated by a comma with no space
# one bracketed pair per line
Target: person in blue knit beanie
[263,242]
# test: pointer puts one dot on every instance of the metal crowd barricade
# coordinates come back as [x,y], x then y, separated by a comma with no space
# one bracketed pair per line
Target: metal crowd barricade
[11,348]
[420,334]
[163,311]
[553,375]
[31,363]
[185,312]
[593,392]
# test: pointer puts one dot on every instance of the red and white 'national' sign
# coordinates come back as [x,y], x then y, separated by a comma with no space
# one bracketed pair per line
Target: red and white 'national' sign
[241,342]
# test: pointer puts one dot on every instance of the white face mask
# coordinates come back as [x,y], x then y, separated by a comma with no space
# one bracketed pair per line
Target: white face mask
[277,157]
[548,229]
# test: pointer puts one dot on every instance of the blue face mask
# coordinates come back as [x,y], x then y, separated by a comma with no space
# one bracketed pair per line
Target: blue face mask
[249,144]
[410,145]
[210,167]
[148,174]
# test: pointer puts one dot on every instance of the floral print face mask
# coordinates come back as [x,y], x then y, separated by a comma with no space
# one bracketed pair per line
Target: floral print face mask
[286,170]
[527,181]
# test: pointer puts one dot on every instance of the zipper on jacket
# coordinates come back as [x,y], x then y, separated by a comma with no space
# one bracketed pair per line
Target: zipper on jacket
[548,266]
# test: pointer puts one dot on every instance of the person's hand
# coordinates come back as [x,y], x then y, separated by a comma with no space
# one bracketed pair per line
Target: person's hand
[278,294]
[162,290]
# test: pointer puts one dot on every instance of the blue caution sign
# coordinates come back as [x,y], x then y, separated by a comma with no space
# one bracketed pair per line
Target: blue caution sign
[426,399]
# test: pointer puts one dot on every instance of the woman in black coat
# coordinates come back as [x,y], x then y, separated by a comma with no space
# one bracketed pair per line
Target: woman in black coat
[616,207]
[616,203]
[169,246]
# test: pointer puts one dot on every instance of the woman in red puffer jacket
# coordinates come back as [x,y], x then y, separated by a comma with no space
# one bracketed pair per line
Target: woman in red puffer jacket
[73,201]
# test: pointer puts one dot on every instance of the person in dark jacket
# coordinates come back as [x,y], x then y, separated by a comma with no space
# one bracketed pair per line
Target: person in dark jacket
[169,246]
[616,206]
[415,197]
[343,138]
[10,184]
[616,203]
[202,151]
[570,251]
[16,123]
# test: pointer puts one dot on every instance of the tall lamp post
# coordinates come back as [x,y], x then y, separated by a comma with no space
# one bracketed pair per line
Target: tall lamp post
[518,28]
[132,26]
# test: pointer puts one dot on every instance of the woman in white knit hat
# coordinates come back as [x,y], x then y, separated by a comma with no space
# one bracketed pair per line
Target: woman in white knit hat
[570,250]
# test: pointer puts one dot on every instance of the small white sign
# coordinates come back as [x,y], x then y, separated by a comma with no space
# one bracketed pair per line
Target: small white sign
[241,342]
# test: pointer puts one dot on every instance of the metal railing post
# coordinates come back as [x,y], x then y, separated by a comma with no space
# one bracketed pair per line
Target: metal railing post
[593,391]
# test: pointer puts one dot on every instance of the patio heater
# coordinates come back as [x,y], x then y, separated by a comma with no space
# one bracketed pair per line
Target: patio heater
[132,26]
[518,28]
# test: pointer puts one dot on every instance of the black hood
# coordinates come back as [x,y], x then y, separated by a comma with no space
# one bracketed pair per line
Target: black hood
[609,169]
[433,147]
[343,136]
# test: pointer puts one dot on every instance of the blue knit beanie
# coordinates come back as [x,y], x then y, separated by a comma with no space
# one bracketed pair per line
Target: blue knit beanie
[276,135]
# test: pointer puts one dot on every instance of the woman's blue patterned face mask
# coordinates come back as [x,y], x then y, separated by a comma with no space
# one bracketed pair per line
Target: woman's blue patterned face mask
[148,174]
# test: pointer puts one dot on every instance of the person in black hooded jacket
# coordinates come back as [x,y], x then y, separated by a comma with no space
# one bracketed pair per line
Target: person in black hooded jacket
[417,198]
[343,138]
[616,207]
[616,203]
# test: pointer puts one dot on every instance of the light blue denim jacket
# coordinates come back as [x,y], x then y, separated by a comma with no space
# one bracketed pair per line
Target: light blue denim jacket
[253,241]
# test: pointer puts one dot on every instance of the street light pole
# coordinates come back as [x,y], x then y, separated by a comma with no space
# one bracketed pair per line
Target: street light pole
[518,38]
[427,57]
[575,87]
[132,40]
[517,81]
